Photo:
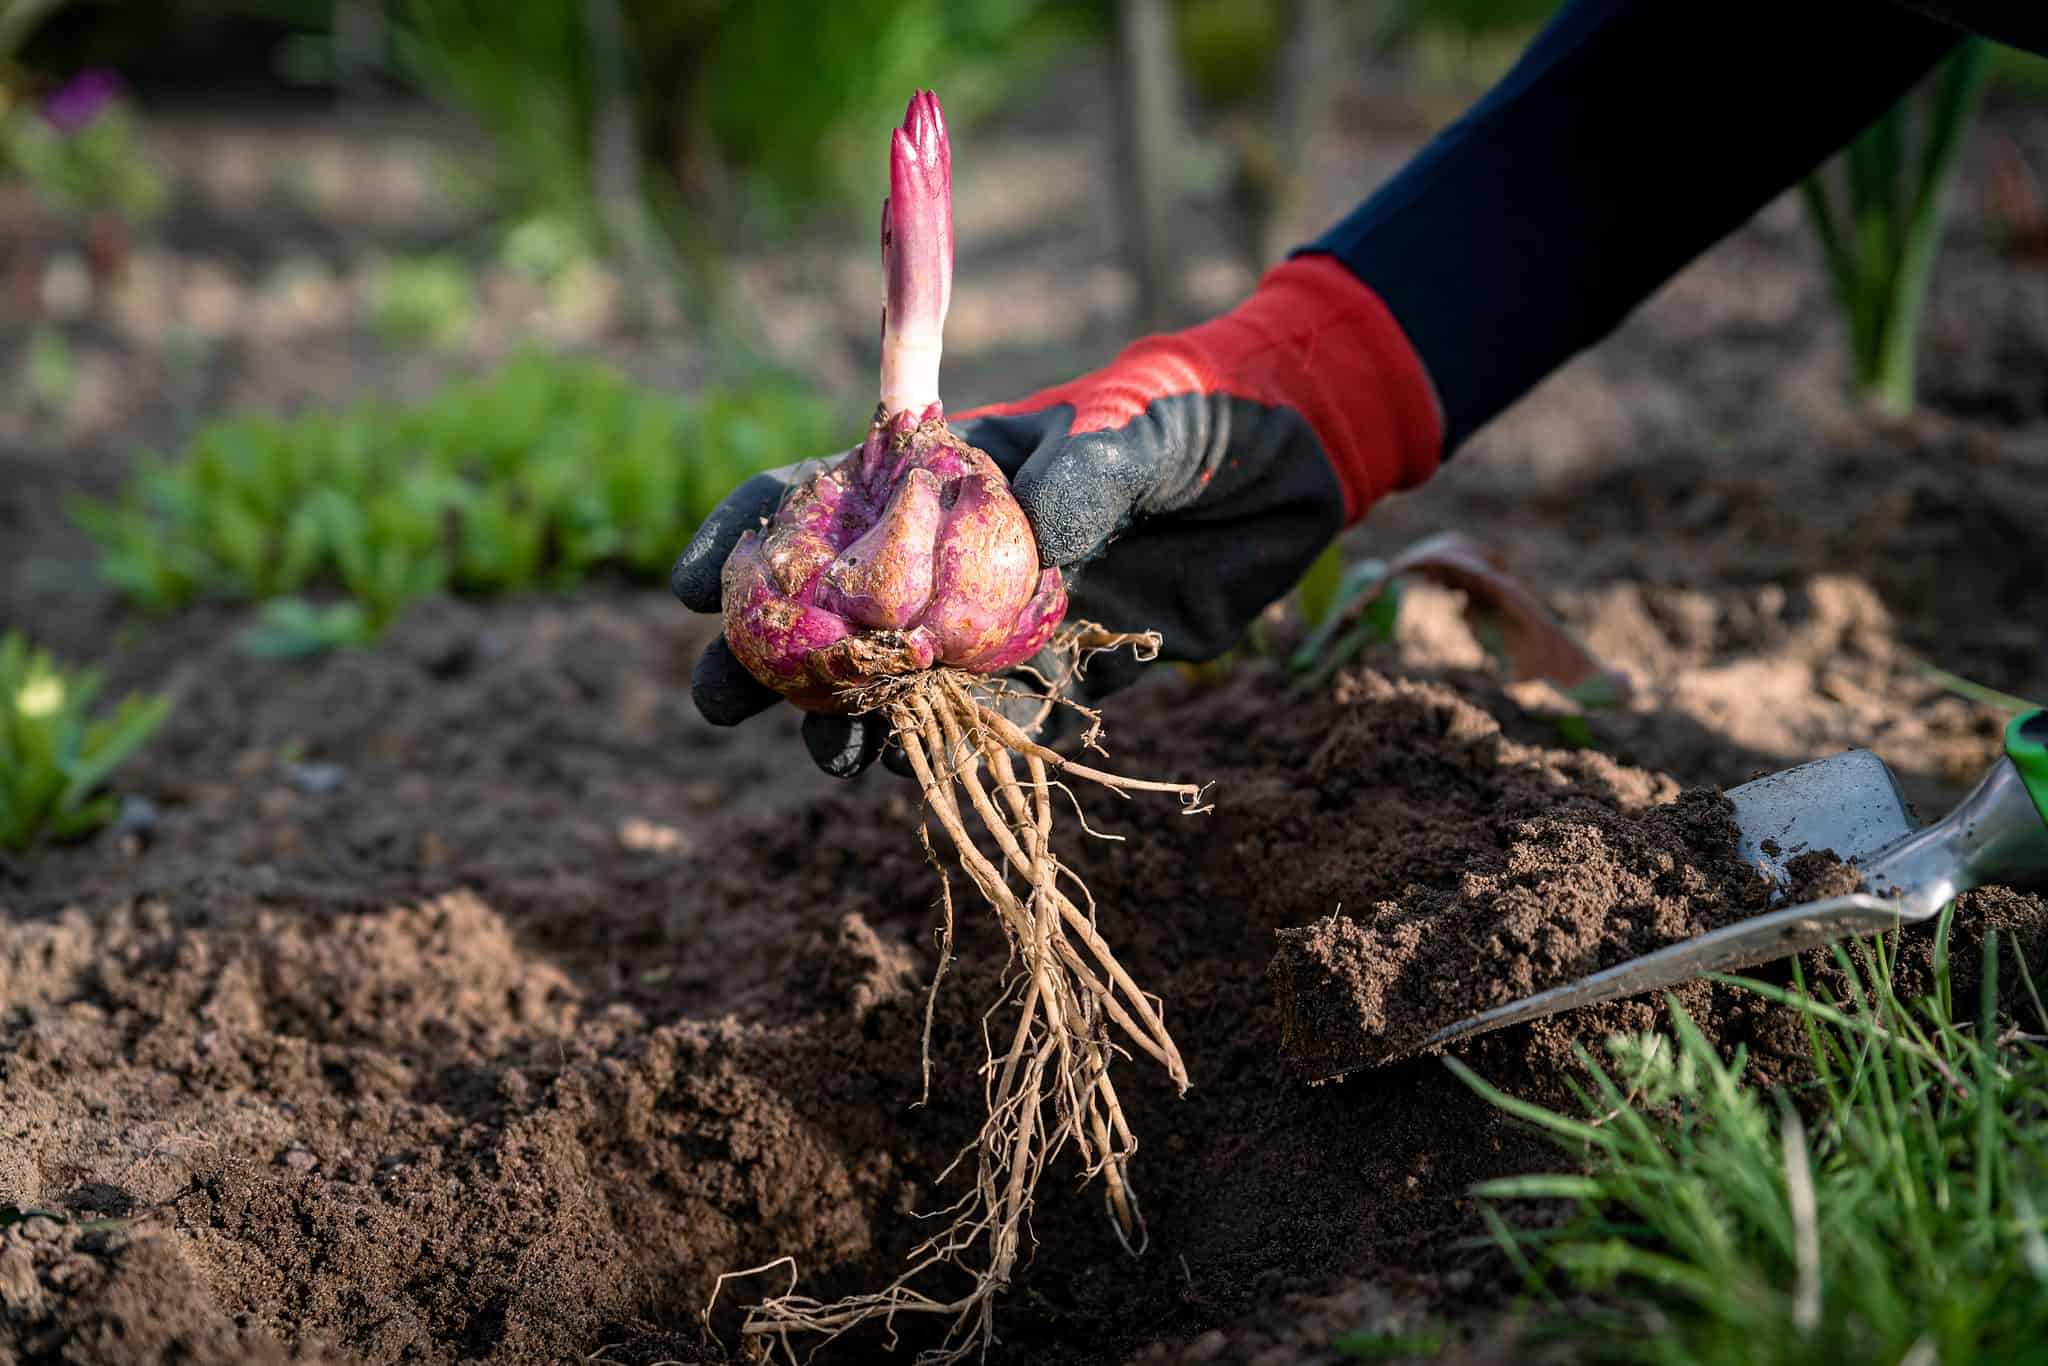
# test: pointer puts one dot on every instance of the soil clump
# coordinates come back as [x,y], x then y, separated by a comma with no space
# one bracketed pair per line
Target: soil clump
[1574,886]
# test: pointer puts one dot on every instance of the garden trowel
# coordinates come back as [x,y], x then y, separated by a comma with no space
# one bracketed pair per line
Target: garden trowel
[1851,804]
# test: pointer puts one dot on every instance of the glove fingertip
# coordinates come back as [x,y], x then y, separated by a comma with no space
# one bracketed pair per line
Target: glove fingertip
[685,581]
[843,746]
[725,693]
[695,577]
[1077,493]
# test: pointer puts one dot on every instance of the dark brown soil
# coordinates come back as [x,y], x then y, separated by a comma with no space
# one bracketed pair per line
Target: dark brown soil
[1819,874]
[537,1104]
[470,1000]
[1568,883]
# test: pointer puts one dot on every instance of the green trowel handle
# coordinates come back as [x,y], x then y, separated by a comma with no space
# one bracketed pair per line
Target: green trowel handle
[2026,744]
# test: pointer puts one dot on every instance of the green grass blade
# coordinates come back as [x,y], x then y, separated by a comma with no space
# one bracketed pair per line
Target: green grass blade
[1549,1121]
[1958,88]
[134,722]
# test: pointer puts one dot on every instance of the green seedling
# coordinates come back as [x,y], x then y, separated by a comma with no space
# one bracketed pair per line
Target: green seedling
[429,300]
[11,1215]
[1317,589]
[541,247]
[1522,637]
[1363,608]
[52,372]
[1879,211]
[54,760]
[1895,1213]
[533,478]
[1421,1345]
[292,628]
[1599,692]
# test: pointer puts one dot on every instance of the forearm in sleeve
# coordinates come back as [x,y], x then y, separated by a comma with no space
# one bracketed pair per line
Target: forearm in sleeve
[1631,136]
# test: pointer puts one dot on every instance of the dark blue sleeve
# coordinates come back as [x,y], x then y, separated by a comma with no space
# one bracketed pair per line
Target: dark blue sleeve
[1631,136]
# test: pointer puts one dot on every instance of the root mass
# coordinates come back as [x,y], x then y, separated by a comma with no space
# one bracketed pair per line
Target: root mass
[1067,1012]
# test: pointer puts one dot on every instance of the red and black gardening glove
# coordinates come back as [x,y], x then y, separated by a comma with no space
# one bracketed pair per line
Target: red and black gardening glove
[1180,489]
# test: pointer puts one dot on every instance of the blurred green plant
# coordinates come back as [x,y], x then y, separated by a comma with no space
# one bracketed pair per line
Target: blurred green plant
[2016,72]
[1897,1216]
[1878,211]
[292,628]
[1971,689]
[1459,48]
[1408,19]
[79,150]
[800,99]
[1362,607]
[52,370]
[653,132]
[1226,48]
[536,476]
[54,761]
[1420,1345]
[426,299]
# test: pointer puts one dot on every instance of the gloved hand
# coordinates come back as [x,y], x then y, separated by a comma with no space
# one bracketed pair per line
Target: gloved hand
[1180,489]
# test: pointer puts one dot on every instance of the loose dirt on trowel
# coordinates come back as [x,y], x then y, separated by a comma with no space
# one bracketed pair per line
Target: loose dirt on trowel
[524,1089]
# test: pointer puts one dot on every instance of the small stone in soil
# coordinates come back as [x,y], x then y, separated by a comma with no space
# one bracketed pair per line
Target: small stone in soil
[316,780]
[138,816]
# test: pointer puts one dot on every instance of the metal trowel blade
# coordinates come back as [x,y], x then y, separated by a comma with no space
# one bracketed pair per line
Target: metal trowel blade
[1847,802]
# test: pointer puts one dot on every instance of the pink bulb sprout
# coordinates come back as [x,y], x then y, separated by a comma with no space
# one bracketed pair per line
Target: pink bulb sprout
[910,552]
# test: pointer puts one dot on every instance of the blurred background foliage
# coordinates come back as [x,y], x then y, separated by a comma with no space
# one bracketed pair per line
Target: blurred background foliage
[656,134]
[656,138]
[537,476]
[758,115]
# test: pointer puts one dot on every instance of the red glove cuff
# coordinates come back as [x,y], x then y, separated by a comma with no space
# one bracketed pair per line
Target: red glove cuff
[1312,337]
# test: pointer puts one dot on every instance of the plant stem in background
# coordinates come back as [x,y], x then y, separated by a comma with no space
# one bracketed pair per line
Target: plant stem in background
[1148,132]
[650,236]
[1880,232]
[1298,94]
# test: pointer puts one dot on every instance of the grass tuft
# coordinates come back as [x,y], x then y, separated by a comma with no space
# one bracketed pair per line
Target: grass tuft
[1891,1210]
[55,759]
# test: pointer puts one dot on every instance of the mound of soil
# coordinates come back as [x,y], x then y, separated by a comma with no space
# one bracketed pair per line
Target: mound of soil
[409,1035]
[1572,885]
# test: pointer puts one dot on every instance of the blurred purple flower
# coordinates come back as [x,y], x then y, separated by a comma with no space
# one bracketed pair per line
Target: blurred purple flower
[80,100]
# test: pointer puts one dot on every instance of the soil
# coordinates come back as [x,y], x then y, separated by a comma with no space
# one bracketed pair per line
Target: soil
[512,1062]
[469,999]
[1562,886]
[1819,874]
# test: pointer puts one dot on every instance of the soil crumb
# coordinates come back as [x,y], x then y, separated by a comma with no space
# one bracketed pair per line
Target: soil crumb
[103,1290]
[1819,874]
